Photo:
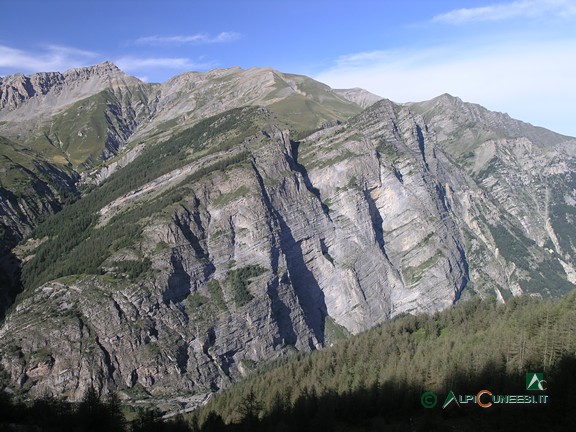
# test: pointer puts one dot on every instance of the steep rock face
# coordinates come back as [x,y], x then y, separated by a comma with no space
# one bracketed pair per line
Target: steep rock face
[405,254]
[253,261]
[19,88]
[526,175]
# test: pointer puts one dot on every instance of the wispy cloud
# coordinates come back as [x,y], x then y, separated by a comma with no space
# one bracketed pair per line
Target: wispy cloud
[136,64]
[531,80]
[48,58]
[61,58]
[199,38]
[392,58]
[505,11]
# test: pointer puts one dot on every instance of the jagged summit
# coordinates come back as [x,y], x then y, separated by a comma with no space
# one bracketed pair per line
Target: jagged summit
[23,97]
[105,69]
[449,113]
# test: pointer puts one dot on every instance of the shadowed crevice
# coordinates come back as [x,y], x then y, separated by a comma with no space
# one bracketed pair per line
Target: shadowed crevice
[293,162]
[306,287]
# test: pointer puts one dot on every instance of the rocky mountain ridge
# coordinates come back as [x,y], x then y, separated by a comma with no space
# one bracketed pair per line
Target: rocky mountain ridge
[248,214]
[45,108]
[50,91]
[87,122]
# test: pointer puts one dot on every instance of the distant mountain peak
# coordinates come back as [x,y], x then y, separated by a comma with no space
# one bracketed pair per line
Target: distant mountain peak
[62,89]
[100,68]
[359,96]
[448,98]
[102,71]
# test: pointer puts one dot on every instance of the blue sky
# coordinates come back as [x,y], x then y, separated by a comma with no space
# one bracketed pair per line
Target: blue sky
[514,56]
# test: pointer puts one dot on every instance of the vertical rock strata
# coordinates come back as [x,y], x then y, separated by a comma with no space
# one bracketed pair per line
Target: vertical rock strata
[348,228]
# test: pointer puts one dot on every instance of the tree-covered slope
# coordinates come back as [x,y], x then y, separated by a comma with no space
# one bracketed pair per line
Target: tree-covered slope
[375,380]
[76,244]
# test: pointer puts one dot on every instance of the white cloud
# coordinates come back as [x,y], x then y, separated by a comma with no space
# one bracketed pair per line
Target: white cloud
[199,38]
[517,9]
[50,58]
[176,63]
[532,81]
[62,58]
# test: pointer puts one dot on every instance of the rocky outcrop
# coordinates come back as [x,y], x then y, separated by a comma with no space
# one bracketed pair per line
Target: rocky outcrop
[359,96]
[99,175]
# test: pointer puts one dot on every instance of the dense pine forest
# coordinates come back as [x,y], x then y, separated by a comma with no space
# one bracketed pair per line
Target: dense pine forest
[374,381]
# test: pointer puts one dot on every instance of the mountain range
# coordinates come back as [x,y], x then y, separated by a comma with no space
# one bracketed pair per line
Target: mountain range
[165,239]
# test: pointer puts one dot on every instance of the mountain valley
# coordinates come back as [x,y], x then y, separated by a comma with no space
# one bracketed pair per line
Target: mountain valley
[165,239]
